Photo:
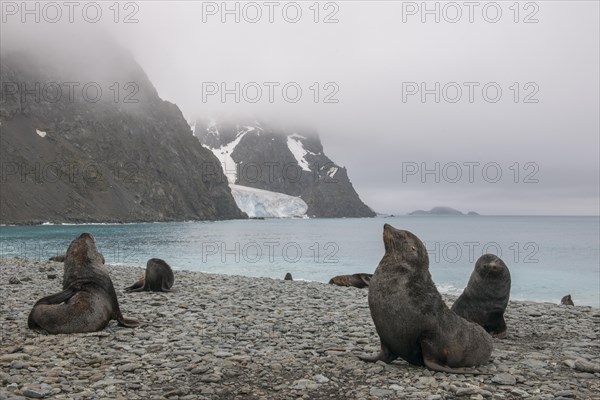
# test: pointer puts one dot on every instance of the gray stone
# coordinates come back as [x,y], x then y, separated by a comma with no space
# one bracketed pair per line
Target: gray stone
[466,391]
[379,392]
[519,392]
[33,393]
[504,379]
[586,366]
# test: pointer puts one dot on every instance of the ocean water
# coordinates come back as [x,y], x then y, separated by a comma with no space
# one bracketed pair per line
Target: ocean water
[548,257]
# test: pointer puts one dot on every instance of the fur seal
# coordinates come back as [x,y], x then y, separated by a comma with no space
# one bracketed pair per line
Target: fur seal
[88,300]
[567,301]
[410,317]
[485,298]
[288,277]
[158,278]
[360,280]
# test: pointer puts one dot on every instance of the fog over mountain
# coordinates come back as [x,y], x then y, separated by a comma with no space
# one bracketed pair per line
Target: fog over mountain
[526,144]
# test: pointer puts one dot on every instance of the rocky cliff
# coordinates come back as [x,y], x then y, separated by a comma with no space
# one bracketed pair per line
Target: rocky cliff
[283,160]
[84,137]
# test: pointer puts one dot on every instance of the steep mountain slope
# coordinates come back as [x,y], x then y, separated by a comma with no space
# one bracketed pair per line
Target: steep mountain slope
[285,161]
[69,156]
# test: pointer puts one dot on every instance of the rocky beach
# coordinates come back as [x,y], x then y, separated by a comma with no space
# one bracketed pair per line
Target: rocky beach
[234,337]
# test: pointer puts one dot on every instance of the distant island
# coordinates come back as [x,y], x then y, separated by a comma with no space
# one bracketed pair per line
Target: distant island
[441,211]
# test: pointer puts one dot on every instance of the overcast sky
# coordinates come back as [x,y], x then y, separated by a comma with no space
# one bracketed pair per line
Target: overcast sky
[375,61]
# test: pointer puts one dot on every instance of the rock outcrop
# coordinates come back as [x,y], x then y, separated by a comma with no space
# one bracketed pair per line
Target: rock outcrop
[78,145]
[283,160]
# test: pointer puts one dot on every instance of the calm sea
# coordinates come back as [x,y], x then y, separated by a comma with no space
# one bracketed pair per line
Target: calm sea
[548,257]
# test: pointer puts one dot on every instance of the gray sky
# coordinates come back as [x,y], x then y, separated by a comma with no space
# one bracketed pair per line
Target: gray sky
[372,57]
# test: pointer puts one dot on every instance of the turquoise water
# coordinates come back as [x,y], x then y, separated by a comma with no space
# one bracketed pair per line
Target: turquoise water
[548,257]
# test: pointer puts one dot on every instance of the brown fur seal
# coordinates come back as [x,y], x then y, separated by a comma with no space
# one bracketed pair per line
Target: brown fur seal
[360,280]
[158,278]
[412,320]
[88,300]
[288,277]
[485,298]
[567,301]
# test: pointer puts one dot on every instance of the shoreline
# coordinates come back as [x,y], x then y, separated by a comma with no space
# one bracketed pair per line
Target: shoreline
[378,216]
[229,336]
[448,294]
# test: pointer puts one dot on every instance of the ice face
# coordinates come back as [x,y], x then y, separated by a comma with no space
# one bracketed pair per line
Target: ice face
[265,204]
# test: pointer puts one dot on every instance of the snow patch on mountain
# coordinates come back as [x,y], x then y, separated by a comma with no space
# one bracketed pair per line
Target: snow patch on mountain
[223,153]
[259,203]
[332,171]
[298,150]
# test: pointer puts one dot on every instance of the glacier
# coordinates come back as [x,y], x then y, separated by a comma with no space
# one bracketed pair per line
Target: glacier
[259,203]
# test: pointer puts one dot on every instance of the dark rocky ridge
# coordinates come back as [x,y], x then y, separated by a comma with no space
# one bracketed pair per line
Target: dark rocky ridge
[441,211]
[104,161]
[263,160]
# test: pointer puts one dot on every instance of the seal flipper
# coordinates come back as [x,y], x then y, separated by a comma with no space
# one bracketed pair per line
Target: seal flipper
[498,328]
[58,297]
[165,286]
[366,278]
[431,361]
[127,322]
[136,287]
[384,355]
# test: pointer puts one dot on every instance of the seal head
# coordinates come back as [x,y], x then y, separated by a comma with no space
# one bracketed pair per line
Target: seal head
[567,301]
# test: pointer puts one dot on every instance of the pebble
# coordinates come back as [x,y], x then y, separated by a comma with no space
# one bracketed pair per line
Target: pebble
[504,379]
[32,393]
[586,366]
[378,392]
[234,337]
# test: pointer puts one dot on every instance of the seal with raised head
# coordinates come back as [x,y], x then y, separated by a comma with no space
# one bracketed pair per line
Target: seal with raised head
[88,300]
[158,278]
[410,317]
[288,277]
[567,301]
[360,280]
[485,298]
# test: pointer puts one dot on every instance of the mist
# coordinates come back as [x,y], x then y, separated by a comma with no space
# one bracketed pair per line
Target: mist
[499,115]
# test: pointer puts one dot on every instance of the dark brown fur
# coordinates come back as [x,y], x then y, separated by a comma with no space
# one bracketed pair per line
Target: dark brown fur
[567,301]
[360,280]
[158,278]
[88,300]
[288,277]
[485,298]
[412,320]
[62,258]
